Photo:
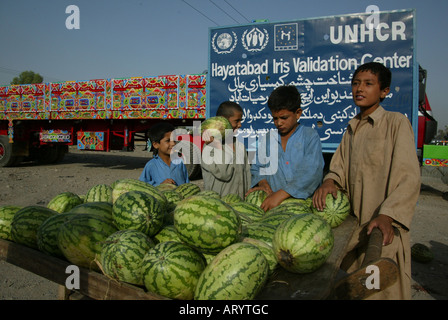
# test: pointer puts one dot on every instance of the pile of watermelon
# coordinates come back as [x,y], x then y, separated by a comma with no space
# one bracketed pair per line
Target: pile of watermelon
[178,241]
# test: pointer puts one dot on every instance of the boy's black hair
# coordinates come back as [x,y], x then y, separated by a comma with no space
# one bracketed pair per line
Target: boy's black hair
[227,108]
[157,131]
[382,72]
[284,97]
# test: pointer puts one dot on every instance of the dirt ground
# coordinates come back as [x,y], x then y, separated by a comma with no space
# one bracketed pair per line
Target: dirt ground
[32,184]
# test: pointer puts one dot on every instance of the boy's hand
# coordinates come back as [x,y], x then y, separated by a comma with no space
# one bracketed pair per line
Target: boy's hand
[262,185]
[274,199]
[210,140]
[169,181]
[384,223]
[320,195]
[207,138]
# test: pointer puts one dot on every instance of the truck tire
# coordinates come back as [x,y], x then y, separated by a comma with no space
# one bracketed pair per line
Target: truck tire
[47,154]
[193,161]
[62,150]
[7,159]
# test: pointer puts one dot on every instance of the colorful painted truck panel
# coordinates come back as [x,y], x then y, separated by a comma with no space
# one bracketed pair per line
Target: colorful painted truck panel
[178,96]
[40,121]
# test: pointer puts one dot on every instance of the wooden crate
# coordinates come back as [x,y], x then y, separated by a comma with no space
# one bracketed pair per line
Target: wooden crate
[281,285]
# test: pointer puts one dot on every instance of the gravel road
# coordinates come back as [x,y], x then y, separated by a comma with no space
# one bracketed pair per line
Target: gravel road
[31,184]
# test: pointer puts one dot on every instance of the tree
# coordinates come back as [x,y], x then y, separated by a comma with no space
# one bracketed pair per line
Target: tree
[27,77]
[442,134]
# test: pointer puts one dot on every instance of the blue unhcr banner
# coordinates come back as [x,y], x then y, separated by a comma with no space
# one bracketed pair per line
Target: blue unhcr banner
[318,56]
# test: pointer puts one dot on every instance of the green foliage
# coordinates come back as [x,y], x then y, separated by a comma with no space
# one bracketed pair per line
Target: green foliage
[442,134]
[27,77]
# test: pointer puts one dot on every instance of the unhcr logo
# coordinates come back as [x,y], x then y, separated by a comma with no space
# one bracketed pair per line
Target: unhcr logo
[255,39]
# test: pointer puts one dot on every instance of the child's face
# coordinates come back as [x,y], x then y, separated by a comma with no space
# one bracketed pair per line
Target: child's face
[165,145]
[366,90]
[286,121]
[235,120]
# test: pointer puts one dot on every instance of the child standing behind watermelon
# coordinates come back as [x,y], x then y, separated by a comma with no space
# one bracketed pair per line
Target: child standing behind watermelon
[163,167]
[230,172]
[376,163]
[295,165]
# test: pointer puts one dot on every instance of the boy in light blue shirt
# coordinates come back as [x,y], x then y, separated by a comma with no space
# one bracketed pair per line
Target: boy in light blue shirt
[163,167]
[294,168]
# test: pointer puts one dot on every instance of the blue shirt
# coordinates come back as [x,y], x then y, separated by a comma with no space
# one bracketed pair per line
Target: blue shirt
[156,171]
[298,170]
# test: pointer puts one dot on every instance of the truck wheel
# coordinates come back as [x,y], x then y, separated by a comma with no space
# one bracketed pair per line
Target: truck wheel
[6,157]
[192,157]
[61,150]
[47,154]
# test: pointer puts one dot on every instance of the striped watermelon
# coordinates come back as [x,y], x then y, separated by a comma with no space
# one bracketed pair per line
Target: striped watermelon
[245,219]
[140,211]
[251,210]
[172,269]
[188,189]
[101,208]
[25,223]
[290,207]
[47,234]
[80,238]
[307,202]
[167,233]
[122,255]
[336,210]
[99,193]
[267,251]
[231,198]
[256,197]
[7,213]
[275,219]
[208,257]
[218,127]
[125,185]
[210,193]
[261,231]
[206,223]
[166,187]
[172,198]
[421,253]
[303,243]
[64,201]
[236,273]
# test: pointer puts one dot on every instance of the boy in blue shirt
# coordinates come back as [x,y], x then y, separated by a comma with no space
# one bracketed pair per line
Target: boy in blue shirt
[164,167]
[294,167]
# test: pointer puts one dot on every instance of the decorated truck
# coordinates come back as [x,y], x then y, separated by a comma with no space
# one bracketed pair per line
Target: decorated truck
[40,121]
[246,62]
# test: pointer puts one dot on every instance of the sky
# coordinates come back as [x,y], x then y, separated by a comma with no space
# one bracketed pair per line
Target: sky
[118,38]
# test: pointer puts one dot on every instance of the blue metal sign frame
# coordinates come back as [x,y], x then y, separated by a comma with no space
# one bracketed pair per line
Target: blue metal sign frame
[318,56]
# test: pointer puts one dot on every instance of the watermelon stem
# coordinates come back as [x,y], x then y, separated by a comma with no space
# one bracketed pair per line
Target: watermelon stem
[285,257]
